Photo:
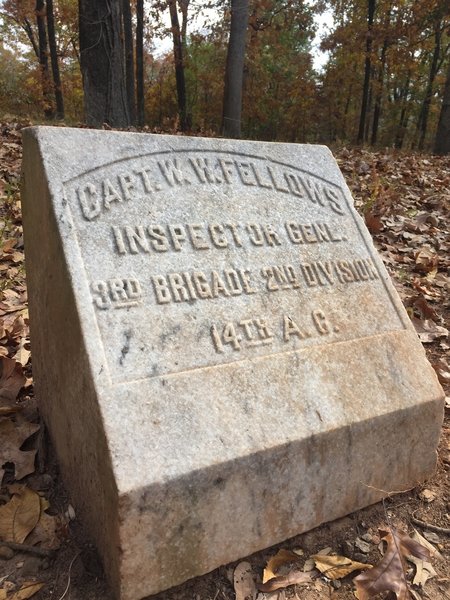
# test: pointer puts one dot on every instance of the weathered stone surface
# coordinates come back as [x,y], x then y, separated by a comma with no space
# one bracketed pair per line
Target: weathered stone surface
[221,358]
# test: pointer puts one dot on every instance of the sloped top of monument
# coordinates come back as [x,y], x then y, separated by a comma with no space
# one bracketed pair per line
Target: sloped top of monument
[79,151]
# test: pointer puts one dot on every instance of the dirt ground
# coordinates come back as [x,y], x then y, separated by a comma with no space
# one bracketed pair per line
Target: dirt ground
[405,199]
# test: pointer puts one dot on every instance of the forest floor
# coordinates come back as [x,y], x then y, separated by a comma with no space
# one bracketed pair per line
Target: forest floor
[405,198]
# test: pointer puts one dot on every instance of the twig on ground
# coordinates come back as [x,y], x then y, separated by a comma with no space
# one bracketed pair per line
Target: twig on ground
[37,551]
[68,576]
[425,525]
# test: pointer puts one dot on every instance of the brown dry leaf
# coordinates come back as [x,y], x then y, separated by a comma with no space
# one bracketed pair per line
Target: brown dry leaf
[434,552]
[11,379]
[426,260]
[442,370]
[18,328]
[45,532]
[13,436]
[292,578]
[427,496]
[2,594]
[420,304]
[27,590]
[424,570]
[389,574]
[283,557]
[373,222]
[22,355]
[244,583]
[20,515]
[428,331]
[337,567]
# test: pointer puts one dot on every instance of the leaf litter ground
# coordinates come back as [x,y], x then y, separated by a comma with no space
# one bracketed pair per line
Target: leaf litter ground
[405,200]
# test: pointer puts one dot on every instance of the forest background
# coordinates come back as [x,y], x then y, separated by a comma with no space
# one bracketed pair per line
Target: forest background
[386,80]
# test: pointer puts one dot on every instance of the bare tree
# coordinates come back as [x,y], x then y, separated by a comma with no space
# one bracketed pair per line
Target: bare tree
[442,140]
[367,71]
[234,70]
[102,63]
[129,58]
[179,64]
[43,57]
[54,60]
[140,62]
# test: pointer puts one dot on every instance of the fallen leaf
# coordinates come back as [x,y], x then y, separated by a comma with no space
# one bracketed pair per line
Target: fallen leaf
[27,590]
[420,304]
[337,567]
[428,331]
[293,578]
[431,536]
[427,495]
[13,434]
[442,370]
[22,354]
[20,515]
[244,583]
[426,260]
[283,557]
[373,222]
[11,379]
[424,542]
[389,574]
[424,570]
[46,530]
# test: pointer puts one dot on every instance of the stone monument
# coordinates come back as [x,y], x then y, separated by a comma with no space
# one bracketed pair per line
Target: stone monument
[218,351]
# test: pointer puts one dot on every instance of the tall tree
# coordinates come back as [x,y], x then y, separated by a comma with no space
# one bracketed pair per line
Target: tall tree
[140,62]
[43,58]
[184,5]
[102,63]
[54,60]
[442,140]
[234,70]
[179,65]
[380,78]
[422,123]
[129,58]
[367,71]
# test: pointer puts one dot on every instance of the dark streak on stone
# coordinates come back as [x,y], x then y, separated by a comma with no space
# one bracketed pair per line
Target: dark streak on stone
[126,346]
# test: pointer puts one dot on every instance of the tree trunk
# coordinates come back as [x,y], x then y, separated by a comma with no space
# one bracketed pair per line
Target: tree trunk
[43,58]
[140,62]
[403,122]
[367,71]
[442,140]
[54,60]
[184,5]
[234,71]
[179,64]
[369,110]
[346,109]
[29,31]
[101,53]
[425,110]
[129,59]
[379,96]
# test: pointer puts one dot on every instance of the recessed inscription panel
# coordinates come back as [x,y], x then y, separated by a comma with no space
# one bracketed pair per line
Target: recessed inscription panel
[196,259]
